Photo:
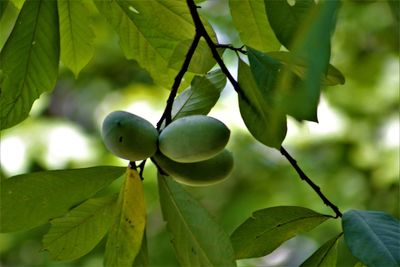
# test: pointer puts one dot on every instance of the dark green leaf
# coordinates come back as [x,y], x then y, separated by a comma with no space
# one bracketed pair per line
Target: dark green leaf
[198,240]
[30,200]
[7,22]
[325,256]
[268,228]
[201,96]
[252,24]
[29,60]
[142,258]
[373,237]
[77,233]
[286,19]
[264,121]
[3,6]
[126,234]
[76,35]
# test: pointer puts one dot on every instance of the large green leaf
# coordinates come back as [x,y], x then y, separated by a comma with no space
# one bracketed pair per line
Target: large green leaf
[268,228]
[157,34]
[325,256]
[198,240]
[252,24]
[266,123]
[312,44]
[201,96]
[29,60]
[29,200]
[286,19]
[76,35]
[373,237]
[126,234]
[77,233]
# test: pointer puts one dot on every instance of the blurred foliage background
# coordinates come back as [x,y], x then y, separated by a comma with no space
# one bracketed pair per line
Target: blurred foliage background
[352,154]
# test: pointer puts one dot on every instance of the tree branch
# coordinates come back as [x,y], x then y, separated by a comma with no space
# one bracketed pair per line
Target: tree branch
[200,29]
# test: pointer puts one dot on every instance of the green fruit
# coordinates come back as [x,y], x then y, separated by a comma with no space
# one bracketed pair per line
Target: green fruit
[193,138]
[200,173]
[129,136]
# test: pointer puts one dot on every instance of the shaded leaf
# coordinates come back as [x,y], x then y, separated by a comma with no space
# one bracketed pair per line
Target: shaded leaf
[251,22]
[29,200]
[286,19]
[126,234]
[373,237]
[198,240]
[201,96]
[29,60]
[7,22]
[268,228]
[262,119]
[76,35]
[158,45]
[77,233]
[142,258]
[325,256]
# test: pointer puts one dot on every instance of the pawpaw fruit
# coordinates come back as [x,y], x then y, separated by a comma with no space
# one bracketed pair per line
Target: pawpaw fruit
[193,138]
[129,136]
[199,173]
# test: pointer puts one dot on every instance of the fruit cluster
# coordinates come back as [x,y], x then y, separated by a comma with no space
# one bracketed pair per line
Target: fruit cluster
[190,149]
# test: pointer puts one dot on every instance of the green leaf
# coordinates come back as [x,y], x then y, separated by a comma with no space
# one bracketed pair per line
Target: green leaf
[198,240]
[76,35]
[3,6]
[29,60]
[299,67]
[18,3]
[266,123]
[268,228]
[201,96]
[157,44]
[7,22]
[251,22]
[373,237]
[77,233]
[126,234]
[325,256]
[142,258]
[286,19]
[29,200]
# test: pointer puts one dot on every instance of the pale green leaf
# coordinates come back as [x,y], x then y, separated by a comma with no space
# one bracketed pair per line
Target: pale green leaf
[266,123]
[325,256]
[18,3]
[157,34]
[126,234]
[76,35]
[251,22]
[8,18]
[77,233]
[373,237]
[201,96]
[29,60]
[198,240]
[268,228]
[32,199]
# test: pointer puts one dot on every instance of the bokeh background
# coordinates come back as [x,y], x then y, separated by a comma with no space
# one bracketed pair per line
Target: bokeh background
[352,153]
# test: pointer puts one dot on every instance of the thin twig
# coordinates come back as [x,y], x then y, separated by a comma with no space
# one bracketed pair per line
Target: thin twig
[305,178]
[231,47]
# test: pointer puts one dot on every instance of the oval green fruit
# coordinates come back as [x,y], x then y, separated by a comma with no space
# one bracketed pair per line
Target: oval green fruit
[193,138]
[129,136]
[200,173]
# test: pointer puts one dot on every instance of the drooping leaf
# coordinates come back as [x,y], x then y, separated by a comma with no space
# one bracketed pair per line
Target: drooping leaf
[76,35]
[201,96]
[325,256]
[142,258]
[157,44]
[268,228]
[77,233]
[373,237]
[126,234]
[252,24]
[311,44]
[299,67]
[286,19]
[198,240]
[29,200]
[266,123]
[29,60]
